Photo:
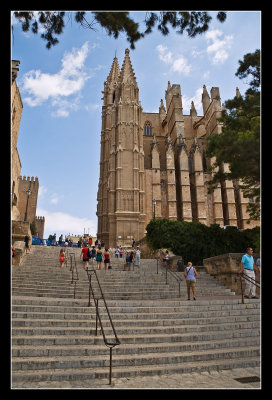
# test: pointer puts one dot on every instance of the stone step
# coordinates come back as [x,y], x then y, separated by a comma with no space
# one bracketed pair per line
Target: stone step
[135,330]
[127,371]
[101,360]
[88,350]
[53,335]
[45,340]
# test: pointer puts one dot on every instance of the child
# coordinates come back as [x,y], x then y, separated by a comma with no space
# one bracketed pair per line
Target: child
[62,258]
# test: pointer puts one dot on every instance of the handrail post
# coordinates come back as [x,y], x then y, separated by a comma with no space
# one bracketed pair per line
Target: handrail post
[96,318]
[242,292]
[110,365]
[89,277]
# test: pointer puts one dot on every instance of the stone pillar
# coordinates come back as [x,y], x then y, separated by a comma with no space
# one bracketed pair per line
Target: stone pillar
[171,180]
[184,180]
[230,207]
[199,185]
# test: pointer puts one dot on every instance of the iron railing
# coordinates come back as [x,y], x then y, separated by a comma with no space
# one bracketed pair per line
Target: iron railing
[70,257]
[112,342]
[242,275]
[171,273]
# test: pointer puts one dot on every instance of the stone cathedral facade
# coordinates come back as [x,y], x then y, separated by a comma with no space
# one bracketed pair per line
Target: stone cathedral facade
[158,156]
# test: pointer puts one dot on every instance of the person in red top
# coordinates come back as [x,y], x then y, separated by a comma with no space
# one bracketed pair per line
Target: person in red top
[84,254]
[62,258]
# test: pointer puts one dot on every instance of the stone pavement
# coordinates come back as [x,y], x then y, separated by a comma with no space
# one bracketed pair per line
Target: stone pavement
[196,380]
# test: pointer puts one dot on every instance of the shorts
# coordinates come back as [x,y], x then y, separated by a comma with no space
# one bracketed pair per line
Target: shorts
[190,283]
[128,263]
[61,259]
[86,259]
[106,261]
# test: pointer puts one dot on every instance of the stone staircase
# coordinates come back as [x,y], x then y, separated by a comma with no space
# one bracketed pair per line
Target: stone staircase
[53,334]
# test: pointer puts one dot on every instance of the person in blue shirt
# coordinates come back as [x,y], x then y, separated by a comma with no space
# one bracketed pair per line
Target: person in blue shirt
[248,267]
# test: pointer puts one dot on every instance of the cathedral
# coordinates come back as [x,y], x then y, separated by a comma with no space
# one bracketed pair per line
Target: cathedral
[153,165]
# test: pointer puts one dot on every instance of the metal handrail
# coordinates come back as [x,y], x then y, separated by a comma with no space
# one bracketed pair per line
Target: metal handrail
[249,279]
[109,344]
[172,273]
[73,269]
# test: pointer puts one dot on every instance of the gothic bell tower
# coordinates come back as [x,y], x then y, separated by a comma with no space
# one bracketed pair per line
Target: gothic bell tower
[120,208]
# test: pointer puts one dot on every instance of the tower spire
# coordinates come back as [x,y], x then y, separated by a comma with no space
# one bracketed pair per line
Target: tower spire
[127,73]
[114,72]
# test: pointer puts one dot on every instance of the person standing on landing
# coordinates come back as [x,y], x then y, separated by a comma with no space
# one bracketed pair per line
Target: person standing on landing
[190,275]
[248,267]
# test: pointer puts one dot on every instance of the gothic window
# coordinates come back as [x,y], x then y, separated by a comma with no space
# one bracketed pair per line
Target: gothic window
[113,97]
[147,129]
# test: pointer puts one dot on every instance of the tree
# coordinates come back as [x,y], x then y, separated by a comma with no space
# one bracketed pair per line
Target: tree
[239,143]
[52,23]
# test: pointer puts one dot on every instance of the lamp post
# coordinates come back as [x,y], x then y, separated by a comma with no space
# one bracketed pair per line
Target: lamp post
[154,208]
[28,192]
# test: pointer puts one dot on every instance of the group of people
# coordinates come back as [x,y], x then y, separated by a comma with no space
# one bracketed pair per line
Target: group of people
[247,265]
[95,254]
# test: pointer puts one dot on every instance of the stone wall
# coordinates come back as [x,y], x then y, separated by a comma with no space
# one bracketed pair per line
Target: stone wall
[226,267]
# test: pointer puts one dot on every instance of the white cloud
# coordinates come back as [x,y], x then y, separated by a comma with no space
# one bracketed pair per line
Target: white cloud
[218,50]
[60,86]
[60,222]
[178,64]
[181,65]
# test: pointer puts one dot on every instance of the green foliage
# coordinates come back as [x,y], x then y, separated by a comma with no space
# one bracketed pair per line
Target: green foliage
[33,228]
[239,143]
[195,241]
[192,22]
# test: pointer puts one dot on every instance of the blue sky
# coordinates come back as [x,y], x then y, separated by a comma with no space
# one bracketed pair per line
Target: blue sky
[59,137]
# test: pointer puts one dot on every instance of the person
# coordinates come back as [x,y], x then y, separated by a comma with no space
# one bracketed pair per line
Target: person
[137,257]
[190,274]
[90,242]
[248,267]
[84,255]
[121,252]
[93,254]
[99,257]
[129,259]
[166,258]
[106,256]
[27,238]
[13,251]
[116,252]
[62,258]
[133,243]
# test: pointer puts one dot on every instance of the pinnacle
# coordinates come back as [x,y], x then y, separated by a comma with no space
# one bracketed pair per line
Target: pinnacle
[114,72]
[127,70]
